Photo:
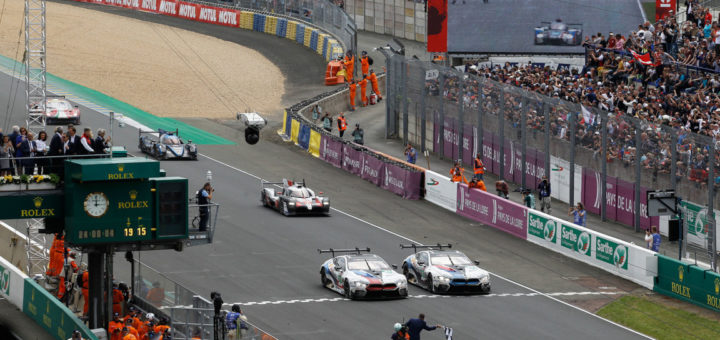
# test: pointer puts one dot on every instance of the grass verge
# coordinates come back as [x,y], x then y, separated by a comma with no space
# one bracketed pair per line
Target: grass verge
[658,320]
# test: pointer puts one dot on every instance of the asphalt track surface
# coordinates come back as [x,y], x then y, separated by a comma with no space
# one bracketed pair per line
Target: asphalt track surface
[262,257]
[269,263]
[508,26]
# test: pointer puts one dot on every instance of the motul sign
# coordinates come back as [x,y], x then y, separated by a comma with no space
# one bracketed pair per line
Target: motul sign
[664,9]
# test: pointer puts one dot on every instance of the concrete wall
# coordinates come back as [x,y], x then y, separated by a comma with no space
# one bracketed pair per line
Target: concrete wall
[12,246]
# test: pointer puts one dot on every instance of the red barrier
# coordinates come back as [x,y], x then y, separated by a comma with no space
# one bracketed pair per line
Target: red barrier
[182,9]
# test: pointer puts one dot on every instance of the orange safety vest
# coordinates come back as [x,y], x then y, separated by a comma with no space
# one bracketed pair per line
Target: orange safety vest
[478,185]
[456,174]
[161,328]
[342,124]
[156,296]
[349,65]
[479,167]
[57,256]
[365,64]
[117,297]
[374,82]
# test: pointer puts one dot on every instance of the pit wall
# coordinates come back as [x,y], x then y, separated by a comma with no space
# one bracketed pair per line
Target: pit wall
[33,300]
[320,42]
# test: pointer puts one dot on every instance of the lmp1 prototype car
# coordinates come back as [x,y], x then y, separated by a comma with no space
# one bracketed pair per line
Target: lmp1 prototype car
[293,198]
[166,145]
[444,271]
[558,33]
[357,275]
[59,110]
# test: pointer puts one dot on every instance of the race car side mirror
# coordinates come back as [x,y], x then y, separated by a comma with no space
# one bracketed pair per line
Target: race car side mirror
[477,262]
[421,263]
[394,266]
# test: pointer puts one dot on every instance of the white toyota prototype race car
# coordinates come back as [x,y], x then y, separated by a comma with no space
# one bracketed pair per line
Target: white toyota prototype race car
[357,275]
[444,271]
[166,145]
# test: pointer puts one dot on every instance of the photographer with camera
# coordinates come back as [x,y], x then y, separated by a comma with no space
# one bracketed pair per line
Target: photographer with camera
[400,333]
[578,213]
[203,197]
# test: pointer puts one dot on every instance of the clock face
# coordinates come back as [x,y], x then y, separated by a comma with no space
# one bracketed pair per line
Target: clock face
[96,204]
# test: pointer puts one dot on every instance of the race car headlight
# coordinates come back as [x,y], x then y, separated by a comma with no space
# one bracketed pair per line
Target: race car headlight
[326,202]
[443,279]
[360,285]
[161,148]
[485,279]
[401,283]
[292,204]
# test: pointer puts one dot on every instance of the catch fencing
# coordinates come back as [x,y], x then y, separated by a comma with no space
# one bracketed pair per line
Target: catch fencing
[523,135]
[385,171]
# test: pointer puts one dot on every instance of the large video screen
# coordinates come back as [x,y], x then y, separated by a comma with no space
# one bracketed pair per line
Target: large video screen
[532,26]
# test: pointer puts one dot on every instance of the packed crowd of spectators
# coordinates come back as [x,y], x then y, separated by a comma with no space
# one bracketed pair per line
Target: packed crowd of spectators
[23,152]
[639,97]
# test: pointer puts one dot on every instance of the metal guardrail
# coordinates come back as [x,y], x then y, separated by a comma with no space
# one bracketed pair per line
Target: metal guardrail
[187,311]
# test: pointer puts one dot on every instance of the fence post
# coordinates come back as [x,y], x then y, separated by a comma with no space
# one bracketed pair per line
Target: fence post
[405,100]
[603,188]
[441,118]
[638,169]
[546,112]
[674,158]
[479,140]
[461,117]
[523,140]
[573,126]
[712,247]
[423,112]
[390,87]
[501,127]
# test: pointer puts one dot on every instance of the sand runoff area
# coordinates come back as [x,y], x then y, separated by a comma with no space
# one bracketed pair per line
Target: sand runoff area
[163,70]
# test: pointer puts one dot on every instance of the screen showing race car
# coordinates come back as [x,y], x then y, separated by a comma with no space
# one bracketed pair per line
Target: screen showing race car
[535,26]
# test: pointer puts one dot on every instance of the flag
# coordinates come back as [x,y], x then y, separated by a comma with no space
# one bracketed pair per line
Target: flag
[588,116]
[642,58]
[448,333]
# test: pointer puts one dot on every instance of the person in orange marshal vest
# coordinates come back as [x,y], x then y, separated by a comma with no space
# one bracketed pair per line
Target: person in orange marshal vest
[342,124]
[456,174]
[352,91]
[363,91]
[374,82]
[478,168]
[365,62]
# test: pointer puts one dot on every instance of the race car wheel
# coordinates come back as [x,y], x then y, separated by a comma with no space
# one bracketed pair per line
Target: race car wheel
[285,209]
[408,276]
[348,294]
[323,279]
[431,285]
[263,199]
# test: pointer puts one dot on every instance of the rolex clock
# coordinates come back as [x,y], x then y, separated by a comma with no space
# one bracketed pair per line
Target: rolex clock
[96,204]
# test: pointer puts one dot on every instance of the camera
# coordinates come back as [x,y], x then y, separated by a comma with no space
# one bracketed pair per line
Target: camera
[253,124]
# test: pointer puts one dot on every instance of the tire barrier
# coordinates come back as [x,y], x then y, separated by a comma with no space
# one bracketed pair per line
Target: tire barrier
[322,43]
[385,171]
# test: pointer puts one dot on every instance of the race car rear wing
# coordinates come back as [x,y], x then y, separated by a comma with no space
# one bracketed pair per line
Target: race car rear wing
[415,246]
[159,132]
[285,183]
[357,251]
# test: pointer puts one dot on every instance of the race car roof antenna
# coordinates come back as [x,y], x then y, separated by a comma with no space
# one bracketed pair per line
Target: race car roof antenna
[416,246]
[344,251]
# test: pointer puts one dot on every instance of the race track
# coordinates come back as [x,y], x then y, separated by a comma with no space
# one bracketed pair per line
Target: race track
[507,26]
[262,257]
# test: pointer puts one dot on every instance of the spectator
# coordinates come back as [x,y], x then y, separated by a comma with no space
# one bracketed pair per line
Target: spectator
[358,135]
[528,199]
[502,188]
[327,122]
[204,196]
[578,213]
[410,154]
[156,295]
[86,142]
[236,323]
[400,332]
[316,112]
[73,145]
[14,135]
[101,142]
[6,150]
[648,239]
[544,195]
[655,239]
[342,124]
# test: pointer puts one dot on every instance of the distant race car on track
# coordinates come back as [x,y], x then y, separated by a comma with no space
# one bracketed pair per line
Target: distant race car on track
[357,275]
[166,145]
[558,33]
[444,271]
[59,110]
[293,198]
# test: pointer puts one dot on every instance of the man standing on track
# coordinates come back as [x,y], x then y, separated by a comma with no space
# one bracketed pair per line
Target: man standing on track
[416,325]
[374,82]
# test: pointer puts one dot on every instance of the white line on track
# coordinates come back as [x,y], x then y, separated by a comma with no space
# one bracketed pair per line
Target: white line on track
[411,240]
[421,296]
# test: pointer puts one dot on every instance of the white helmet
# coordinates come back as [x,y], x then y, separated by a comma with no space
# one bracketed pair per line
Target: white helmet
[398,326]
[150,316]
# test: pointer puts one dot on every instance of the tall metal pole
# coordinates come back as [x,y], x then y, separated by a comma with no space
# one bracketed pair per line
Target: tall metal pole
[35,67]
[674,159]
[638,167]
[603,188]
[523,141]
[501,127]
[109,286]
[405,100]
[572,117]
[461,118]
[95,289]
[546,112]
[441,118]
[479,141]
[423,114]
